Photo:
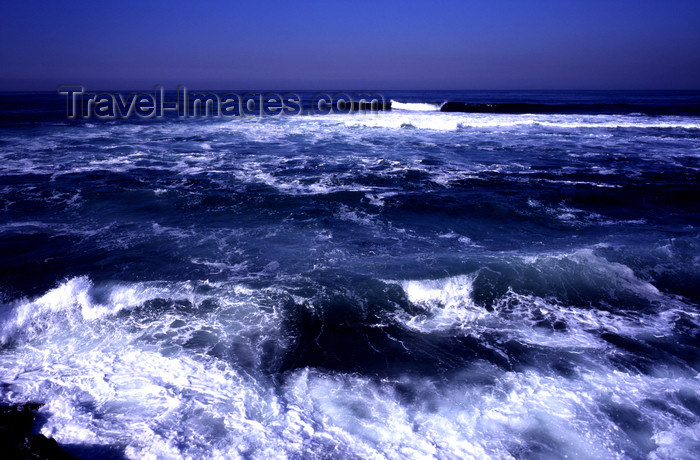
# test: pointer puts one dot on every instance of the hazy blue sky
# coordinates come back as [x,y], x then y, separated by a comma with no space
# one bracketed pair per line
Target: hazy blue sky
[498,44]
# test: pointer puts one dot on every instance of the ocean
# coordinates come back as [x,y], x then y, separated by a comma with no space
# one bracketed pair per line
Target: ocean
[466,275]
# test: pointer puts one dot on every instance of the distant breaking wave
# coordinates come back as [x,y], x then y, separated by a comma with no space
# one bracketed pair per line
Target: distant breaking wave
[535,108]
[532,108]
[593,109]
[416,106]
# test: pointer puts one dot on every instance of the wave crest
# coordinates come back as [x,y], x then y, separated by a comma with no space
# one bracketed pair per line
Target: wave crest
[416,106]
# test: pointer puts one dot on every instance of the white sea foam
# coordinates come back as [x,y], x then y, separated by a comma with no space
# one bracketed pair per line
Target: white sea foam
[449,306]
[561,416]
[398,120]
[458,121]
[77,301]
[145,384]
[70,302]
[447,303]
[415,106]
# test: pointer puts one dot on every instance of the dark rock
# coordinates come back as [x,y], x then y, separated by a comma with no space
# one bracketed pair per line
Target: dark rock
[19,439]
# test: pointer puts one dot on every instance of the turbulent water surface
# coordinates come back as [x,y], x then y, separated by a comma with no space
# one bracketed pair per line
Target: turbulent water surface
[405,284]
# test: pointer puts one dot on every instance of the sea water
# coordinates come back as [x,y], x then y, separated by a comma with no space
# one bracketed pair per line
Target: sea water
[516,279]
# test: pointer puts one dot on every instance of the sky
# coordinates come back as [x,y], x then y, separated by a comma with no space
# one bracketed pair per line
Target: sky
[338,44]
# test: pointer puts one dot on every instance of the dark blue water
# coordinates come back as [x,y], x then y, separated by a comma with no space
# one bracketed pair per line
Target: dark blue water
[518,278]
